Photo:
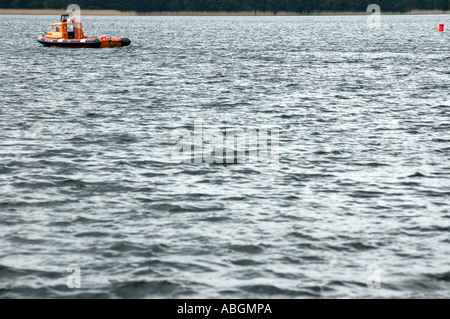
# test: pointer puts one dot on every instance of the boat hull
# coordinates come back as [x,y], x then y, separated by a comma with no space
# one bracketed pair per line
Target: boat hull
[85,43]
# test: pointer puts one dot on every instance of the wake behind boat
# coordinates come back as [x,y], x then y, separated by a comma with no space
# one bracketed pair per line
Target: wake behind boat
[68,33]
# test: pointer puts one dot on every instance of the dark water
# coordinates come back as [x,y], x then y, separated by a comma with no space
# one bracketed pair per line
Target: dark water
[86,175]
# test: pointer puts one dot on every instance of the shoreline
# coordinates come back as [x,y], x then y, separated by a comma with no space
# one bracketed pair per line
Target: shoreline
[205,13]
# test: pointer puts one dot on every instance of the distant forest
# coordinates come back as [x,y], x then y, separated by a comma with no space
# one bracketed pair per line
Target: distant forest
[300,6]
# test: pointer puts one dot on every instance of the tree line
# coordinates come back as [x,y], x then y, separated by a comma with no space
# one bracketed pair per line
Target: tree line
[300,6]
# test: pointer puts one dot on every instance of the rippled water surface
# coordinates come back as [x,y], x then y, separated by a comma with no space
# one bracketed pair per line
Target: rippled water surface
[86,175]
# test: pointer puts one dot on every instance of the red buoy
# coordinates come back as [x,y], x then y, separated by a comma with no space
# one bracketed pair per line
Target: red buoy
[441,28]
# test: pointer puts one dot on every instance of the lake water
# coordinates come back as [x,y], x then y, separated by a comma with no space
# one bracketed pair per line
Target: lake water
[87,178]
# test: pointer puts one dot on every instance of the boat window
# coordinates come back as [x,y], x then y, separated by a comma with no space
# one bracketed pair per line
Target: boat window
[51,29]
[57,29]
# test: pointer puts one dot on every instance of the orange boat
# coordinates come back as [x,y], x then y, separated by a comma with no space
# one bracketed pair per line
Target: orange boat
[69,34]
